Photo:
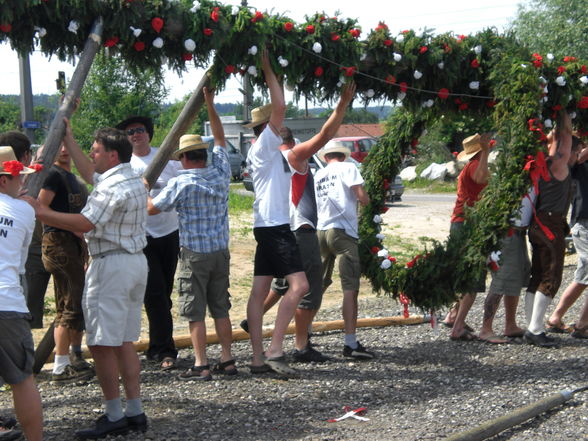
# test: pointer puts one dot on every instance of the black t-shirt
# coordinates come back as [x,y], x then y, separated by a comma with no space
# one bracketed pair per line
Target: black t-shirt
[70,194]
[580,202]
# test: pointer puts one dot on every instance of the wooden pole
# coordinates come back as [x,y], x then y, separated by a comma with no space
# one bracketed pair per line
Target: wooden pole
[57,128]
[51,149]
[180,127]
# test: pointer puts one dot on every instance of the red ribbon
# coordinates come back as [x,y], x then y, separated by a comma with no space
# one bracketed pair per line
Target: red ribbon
[405,301]
[536,126]
[537,168]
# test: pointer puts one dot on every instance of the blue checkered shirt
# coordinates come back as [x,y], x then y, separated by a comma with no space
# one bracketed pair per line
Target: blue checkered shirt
[201,196]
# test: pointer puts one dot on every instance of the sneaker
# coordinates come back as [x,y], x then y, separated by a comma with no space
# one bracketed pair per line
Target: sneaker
[540,340]
[78,362]
[359,353]
[280,366]
[8,434]
[7,422]
[137,423]
[70,374]
[309,354]
[244,326]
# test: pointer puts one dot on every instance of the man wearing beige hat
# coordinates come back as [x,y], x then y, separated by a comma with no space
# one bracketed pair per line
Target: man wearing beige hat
[16,342]
[471,181]
[338,188]
[200,195]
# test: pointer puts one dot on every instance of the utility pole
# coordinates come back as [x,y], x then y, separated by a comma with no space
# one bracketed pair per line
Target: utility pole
[26,96]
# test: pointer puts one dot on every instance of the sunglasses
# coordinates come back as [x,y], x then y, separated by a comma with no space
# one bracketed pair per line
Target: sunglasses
[131,132]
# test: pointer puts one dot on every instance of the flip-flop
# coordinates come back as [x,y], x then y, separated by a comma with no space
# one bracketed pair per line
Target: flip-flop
[559,328]
[465,336]
[280,366]
[493,340]
[515,335]
[465,326]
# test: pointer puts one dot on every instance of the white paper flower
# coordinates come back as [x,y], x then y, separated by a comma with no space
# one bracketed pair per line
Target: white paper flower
[235,10]
[560,81]
[441,65]
[524,66]
[495,255]
[383,253]
[401,96]
[362,56]
[195,6]
[477,49]
[573,115]
[370,93]
[397,56]
[190,45]
[543,80]
[474,85]
[317,47]
[283,62]
[377,219]
[41,31]
[380,236]
[73,26]
[545,99]
[252,70]
[385,264]
[136,31]
[252,50]
[400,38]
[584,80]
[545,89]
[548,123]
[429,103]
[339,84]
[158,43]
[417,74]
[550,57]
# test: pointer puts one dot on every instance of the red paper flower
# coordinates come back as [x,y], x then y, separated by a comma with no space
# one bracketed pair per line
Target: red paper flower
[561,69]
[446,48]
[214,14]
[423,49]
[492,143]
[375,250]
[463,106]
[406,31]
[583,69]
[157,24]
[569,59]
[382,26]
[583,103]
[229,68]
[385,209]
[414,142]
[475,63]
[36,167]
[461,38]
[390,258]
[258,17]
[556,108]
[187,56]
[139,46]
[403,87]
[349,71]
[388,42]
[355,33]
[537,60]
[288,26]
[207,32]
[386,184]
[443,93]
[322,18]
[13,167]
[5,27]
[455,154]
[335,37]
[391,79]
[318,72]
[111,42]
[310,29]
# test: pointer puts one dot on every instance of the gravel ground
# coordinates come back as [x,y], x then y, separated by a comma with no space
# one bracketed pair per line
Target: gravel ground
[421,386]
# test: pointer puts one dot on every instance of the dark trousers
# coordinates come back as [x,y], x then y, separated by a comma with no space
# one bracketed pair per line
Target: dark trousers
[162,258]
[37,279]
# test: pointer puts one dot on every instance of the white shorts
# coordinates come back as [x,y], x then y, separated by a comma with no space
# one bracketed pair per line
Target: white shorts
[580,238]
[113,298]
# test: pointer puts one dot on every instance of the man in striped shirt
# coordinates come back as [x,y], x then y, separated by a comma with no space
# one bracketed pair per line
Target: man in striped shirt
[200,194]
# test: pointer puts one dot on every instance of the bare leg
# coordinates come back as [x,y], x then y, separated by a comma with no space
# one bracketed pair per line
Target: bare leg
[259,290]
[75,337]
[490,307]
[271,299]
[510,316]
[465,304]
[198,337]
[129,367]
[107,371]
[225,337]
[61,334]
[350,311]
[583,320]
[27,405]
[298,287]
[451,314]
[568,298]
[303,319]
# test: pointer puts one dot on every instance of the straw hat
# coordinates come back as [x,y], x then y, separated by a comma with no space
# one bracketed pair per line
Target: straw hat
[471,146]
[7,157]
[333,147]
[259,115]
[189,143]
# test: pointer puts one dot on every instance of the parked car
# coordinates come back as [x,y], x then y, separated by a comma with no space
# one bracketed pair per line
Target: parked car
[235,157]
[359,145]
[396,190]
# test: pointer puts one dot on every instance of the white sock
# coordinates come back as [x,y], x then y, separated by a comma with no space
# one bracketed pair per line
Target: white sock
[529,300]
[542,302]
[61,361]
[351,341]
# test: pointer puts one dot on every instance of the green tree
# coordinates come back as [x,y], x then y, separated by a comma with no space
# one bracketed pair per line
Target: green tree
[113,92]
[553,26]
[170,114]
[9,116]
[354,116]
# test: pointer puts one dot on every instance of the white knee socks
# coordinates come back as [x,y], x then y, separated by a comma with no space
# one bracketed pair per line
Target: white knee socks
[537,324]
[529,300]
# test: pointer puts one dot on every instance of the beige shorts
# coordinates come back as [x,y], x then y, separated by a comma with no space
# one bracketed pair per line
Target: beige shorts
[335,242]
[113,298]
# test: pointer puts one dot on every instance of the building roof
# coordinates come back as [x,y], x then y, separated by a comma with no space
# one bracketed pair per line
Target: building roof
[360,130]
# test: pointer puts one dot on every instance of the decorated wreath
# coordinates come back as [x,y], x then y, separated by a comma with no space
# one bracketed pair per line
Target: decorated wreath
[482,74]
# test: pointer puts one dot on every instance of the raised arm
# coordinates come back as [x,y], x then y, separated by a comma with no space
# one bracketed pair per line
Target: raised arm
[84,165]
[482,174]
[560,148]
[215,122]
[301,152]
[276,95]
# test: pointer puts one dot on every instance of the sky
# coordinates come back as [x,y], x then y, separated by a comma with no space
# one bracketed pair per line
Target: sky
[458,16]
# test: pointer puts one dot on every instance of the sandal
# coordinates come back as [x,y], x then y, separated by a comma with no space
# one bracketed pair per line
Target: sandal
[559,328]
[195,373]
[167,363]
[465,336]
[465,326]
[221,368]
[580,332]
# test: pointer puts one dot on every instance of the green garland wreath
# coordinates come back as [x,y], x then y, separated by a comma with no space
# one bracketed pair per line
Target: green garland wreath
[428,75]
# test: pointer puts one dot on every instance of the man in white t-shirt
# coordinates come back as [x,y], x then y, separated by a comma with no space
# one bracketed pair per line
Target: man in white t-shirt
[16,342]
[163,245]
[338,188]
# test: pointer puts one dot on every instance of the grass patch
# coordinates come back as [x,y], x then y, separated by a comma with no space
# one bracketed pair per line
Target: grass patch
[432,186]
[238,202]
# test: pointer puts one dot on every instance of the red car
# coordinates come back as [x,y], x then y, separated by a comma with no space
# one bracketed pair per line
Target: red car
[359,145]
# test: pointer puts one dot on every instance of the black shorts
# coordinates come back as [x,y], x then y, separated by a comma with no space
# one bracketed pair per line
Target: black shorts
[277,252]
